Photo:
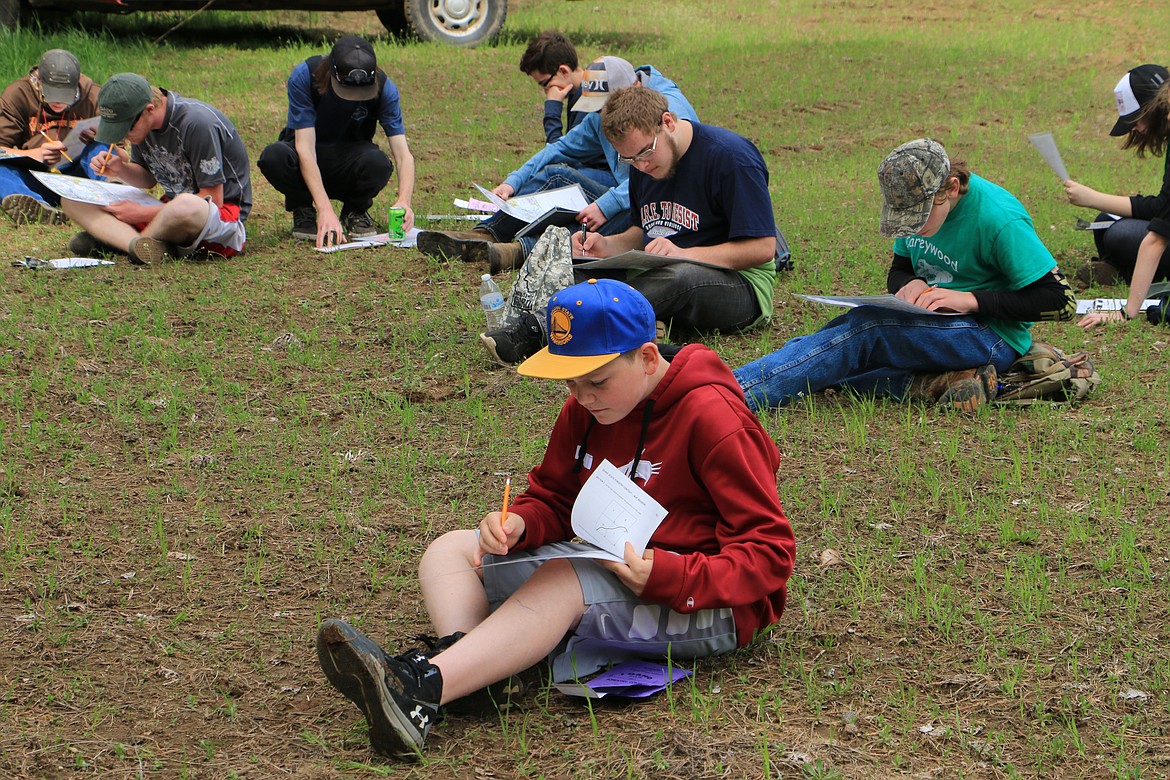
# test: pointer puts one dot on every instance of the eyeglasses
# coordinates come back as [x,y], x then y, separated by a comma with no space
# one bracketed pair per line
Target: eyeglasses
[544,84]
[645,153]
[357,77]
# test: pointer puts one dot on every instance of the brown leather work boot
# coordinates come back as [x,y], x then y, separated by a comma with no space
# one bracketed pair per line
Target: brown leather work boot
[964,390]
[470,246]
[505,257]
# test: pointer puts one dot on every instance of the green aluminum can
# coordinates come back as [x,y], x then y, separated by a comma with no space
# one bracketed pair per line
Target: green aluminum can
[394,223]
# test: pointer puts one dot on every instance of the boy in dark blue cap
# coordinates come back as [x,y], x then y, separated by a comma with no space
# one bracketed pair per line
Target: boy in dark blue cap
[713,574]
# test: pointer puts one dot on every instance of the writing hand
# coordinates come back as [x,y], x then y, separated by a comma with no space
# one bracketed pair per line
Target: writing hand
[911,290]
[496,538]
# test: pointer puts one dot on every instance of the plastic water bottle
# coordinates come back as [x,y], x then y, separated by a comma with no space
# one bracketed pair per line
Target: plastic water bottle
[492,301]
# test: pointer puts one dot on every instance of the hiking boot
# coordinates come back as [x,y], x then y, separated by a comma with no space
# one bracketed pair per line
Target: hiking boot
[399,695]
[1098,272]
[27,210]
[304,224]
[505,257]
[357,224]
[964,390]
[470,246]
[514,342]
[145,250]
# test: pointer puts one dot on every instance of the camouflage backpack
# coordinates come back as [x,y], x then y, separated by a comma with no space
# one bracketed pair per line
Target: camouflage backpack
[547,271]
[1047,374]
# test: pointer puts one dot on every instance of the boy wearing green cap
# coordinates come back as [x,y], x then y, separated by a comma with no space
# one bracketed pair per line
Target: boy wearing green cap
[713,574]
[187,147]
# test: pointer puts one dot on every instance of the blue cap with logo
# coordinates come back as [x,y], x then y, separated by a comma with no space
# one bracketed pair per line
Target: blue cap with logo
[590,324]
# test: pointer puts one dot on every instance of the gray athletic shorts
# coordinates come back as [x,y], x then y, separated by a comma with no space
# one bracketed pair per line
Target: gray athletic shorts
[616,626]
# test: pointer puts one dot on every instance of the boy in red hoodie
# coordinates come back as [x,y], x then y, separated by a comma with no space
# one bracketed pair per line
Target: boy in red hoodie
[713,574]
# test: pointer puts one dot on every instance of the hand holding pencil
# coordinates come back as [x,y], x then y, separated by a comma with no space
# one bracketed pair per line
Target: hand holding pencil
[497,528]
[109,162]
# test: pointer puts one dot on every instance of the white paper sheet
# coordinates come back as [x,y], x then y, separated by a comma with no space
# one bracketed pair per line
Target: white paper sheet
[74,145]
[611,510]
[100,193]
[884,301]
[1086,305]
[1046,145]
[529,208]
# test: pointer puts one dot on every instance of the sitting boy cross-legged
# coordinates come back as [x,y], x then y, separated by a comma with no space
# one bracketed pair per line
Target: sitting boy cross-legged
[713,574]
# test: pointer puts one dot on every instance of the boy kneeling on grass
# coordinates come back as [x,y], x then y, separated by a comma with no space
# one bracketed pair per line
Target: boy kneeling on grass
[712,576]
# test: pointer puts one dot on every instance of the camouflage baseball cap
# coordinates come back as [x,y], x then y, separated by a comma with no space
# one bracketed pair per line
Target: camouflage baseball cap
[909,177]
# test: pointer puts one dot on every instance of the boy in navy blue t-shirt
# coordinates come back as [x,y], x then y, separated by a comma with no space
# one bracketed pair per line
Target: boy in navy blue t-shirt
[697,193]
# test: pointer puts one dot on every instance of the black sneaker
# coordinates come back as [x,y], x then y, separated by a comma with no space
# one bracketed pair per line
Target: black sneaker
[398,695]
[304,223]
[357,224]
[497,697]
[515,342]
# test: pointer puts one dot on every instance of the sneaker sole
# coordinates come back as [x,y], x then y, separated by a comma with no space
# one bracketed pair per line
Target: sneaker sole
[144,251]
[349,660]
[435,244]
[27,210]
[305,236]
[490,345]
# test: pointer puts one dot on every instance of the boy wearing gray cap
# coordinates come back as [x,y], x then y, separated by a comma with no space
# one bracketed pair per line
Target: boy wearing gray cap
[36,114]
[187,147]
[963,246]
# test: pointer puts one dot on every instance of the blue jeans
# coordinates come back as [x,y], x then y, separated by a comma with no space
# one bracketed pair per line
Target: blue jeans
[504,228]
[18,180]
[872,351]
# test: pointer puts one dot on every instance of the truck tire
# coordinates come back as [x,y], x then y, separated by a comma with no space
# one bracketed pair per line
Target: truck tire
[456,22]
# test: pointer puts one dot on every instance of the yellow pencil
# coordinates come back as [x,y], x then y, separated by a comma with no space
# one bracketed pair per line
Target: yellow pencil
[504,511]
[47,138]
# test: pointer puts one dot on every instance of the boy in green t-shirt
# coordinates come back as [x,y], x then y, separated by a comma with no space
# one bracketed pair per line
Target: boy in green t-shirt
[965,247]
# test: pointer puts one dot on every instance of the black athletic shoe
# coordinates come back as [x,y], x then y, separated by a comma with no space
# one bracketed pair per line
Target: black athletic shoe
[357,224]
[398,695]
[497,697]
[304,224]
[515,342]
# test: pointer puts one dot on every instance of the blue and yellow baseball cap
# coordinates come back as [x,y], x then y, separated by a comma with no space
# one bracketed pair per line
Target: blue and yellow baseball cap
[590,324]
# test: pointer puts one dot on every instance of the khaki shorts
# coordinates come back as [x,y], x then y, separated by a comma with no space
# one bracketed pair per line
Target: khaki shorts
[617,625]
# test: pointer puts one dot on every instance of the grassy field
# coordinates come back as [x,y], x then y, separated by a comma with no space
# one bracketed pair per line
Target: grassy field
[199,461]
